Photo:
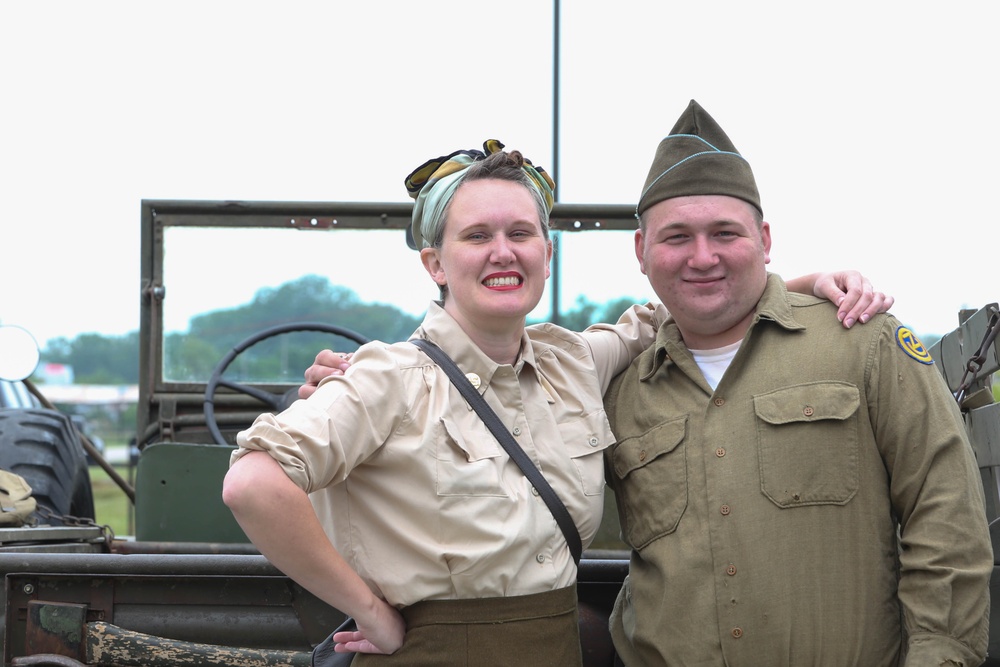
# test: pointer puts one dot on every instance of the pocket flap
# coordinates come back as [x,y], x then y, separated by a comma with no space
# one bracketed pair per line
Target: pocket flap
[808,402]
[588,434]
[478,444]
[636,452]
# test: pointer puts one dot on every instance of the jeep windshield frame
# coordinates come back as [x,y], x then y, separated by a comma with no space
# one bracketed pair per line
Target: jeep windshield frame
[218,255]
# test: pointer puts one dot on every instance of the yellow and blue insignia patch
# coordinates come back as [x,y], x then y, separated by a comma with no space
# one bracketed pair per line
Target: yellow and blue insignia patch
[908,343]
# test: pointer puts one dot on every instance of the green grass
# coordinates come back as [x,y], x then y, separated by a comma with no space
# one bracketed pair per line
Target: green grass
[111,506]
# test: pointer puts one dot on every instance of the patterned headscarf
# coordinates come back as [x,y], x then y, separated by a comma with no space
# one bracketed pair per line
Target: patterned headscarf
[433,184]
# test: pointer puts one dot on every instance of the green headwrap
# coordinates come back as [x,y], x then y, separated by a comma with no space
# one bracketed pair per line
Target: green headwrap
[697,158]
[433,184]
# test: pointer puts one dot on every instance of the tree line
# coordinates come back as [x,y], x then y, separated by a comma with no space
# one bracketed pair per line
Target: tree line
[100,359]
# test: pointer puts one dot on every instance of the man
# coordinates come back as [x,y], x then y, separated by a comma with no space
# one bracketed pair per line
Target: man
[794,492]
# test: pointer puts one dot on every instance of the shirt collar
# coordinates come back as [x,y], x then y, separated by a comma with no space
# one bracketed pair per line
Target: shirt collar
[774,305]
[442,329]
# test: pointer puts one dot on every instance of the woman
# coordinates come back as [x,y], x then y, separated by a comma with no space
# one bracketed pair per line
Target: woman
[437,546]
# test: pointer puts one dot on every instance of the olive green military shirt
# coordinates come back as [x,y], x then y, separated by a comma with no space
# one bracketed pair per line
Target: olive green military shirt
[763,516]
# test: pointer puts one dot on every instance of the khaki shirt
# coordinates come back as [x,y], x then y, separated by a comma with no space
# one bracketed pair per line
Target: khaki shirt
[414,490]
[764,515]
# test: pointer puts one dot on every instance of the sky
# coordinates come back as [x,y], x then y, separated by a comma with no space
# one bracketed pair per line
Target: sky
[871,127]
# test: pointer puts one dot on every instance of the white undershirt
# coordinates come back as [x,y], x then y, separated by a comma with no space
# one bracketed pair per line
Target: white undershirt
[713,363]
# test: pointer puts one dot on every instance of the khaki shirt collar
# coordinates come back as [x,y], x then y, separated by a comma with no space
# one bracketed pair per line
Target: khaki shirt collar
[774,305]
[441,328]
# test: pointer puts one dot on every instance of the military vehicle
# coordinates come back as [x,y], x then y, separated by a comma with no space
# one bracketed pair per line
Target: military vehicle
[187,588]
[37,442]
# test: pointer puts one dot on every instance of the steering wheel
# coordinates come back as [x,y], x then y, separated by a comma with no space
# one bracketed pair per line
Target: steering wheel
[274,401]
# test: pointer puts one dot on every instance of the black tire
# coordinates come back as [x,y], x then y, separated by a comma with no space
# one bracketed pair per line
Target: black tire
[43,447]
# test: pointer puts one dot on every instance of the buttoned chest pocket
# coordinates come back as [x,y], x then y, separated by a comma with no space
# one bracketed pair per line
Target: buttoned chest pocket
[651,482]
[586,439]
[807,439]
[469,463]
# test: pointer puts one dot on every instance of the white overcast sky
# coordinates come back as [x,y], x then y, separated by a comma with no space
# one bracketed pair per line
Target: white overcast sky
[872,127]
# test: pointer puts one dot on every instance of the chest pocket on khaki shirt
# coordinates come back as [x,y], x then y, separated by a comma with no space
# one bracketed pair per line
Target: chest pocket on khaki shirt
[652,482]
[586,439]
[807,440]
[468,463]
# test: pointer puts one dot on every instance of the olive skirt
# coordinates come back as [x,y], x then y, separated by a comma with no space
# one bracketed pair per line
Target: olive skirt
[539,629]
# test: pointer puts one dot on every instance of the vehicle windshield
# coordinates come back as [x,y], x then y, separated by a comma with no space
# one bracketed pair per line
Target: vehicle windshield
[221,284]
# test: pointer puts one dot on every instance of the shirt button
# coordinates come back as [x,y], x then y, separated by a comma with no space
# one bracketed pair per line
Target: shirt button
[719,402]
[534,491]
[594,442]
[642,455]
[540,558]
[737,633]
[808,411]
[724,510]
[720,452]
[731,570]
[517,430]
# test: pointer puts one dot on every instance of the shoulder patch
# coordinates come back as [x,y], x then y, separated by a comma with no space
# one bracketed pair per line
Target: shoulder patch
[909,344]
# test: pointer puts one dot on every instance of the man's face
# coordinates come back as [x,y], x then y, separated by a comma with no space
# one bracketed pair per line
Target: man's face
[705,258]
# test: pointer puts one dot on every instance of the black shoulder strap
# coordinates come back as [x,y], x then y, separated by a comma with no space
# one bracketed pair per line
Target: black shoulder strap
[514,450]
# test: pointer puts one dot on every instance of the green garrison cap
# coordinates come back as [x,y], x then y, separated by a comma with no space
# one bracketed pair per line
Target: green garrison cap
[697,158]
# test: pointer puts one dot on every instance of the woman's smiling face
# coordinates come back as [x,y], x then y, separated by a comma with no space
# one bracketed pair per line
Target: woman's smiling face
[494,256]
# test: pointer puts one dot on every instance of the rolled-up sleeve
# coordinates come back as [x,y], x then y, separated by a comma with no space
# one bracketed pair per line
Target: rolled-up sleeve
[319,440]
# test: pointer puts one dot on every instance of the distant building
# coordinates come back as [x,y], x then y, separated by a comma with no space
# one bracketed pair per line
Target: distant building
[91,394]
[54,374]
